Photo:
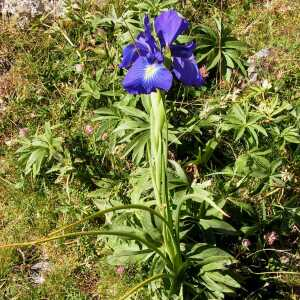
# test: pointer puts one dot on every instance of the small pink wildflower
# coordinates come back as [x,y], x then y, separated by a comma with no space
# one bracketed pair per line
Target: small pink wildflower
[79,68]
[120,270]
[271,237]
[284,259]
[23,132]
[203,72]
[246,243]
[89,129]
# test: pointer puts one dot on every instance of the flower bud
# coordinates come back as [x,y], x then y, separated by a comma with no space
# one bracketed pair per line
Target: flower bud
[120,270]
[284,259]
[88,129]
[23,132]
[204,72]
[271,237]
[246,243]
[79,68]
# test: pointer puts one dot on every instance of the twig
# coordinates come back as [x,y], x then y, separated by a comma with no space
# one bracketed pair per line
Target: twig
[269,249]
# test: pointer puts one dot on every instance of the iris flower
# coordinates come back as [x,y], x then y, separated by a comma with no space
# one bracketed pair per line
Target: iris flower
[145,60]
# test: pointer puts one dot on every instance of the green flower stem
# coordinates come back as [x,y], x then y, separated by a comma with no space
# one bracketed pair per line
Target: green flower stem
[111,209]
[158,158]
[140,285]
[130,235]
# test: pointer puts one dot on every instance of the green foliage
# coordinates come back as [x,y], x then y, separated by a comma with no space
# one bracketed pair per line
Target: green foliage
[150,7]
[232,170]
[131,125]
[41,149]
[206,266]
[219,49]
[243,121]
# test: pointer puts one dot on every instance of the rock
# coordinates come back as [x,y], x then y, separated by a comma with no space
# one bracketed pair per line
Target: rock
[37,278]
[27,9]
[41,266]
[39,271]
[263,53]
[253,63]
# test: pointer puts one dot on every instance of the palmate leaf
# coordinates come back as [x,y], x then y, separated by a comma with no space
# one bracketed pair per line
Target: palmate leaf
[200,195]
[105,113]
[241,121]
[132,126]
[138,239]
[204,56]
[291,135]
[216,265]
[36,150]
[133,112]
[234,44]
[205,154]
[218,49]
[178,178]
[236,58]
[34,161]
[138,147]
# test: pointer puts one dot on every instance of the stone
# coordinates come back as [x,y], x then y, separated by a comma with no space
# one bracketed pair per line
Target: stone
[31,8]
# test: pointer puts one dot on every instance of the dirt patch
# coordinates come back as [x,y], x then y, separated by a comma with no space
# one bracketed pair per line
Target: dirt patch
[87,283]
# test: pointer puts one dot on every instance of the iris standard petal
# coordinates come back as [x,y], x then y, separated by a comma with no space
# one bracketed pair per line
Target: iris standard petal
[148,31]
[130,54]
[184,51]
[142,44]
[168,26]
[145,77]
[186,70]
[154,52]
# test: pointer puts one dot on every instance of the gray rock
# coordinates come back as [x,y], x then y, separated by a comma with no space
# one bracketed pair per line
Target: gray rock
[39,271]
[253,63]
[31,8]
[41,266]
[37,278]
[263,53]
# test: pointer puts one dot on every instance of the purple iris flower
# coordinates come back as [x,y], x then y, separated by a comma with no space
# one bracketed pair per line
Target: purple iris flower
[145,60]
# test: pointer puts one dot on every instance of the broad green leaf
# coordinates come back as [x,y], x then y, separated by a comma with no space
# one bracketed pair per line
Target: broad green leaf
[213,266]
[225,279]
[217,225]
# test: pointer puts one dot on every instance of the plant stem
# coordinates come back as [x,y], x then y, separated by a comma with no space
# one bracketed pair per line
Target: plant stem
[158,159]
[140,285]
[130,235]
[116,208]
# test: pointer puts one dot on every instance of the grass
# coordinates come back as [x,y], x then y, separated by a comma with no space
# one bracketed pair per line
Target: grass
[42,84]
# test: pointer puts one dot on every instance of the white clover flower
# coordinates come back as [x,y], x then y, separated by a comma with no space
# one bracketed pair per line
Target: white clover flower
[266,84]
[286,175]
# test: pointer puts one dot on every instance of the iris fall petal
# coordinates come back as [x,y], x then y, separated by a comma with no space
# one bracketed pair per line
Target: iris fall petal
[145,77]
[186,70]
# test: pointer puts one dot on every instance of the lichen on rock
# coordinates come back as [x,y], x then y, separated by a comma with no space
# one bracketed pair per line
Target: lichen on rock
[31,8]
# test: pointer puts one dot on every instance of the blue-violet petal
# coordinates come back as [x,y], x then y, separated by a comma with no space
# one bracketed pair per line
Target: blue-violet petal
[145,77]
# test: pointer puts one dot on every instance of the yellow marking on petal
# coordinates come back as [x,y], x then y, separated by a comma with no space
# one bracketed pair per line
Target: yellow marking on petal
[150,71]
